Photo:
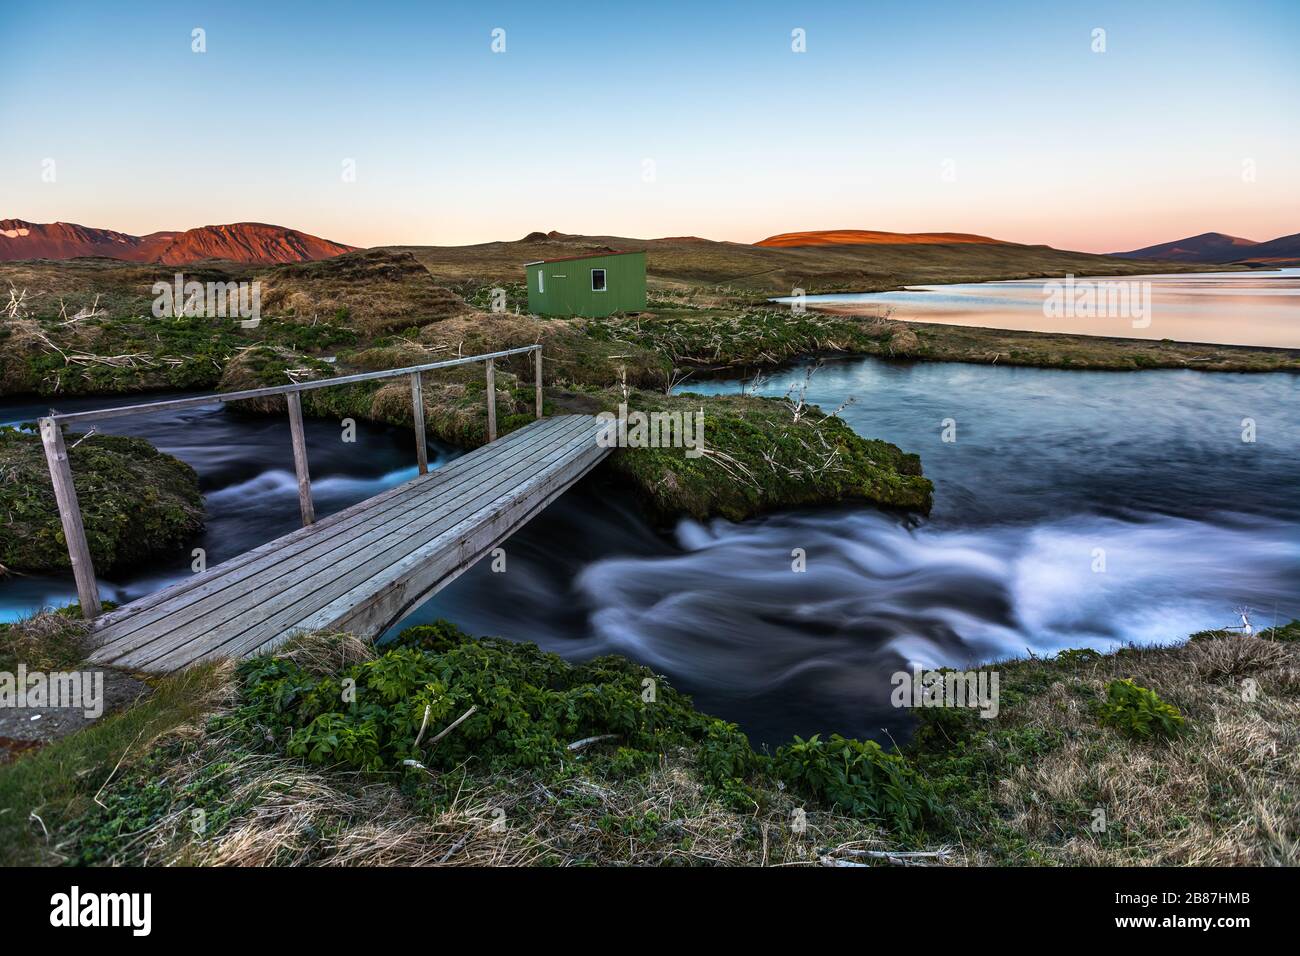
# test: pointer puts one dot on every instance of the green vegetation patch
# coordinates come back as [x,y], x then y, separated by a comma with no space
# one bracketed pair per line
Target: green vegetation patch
[136,502]
[859,777]
[759,454]
[1138,712]
[527,707]
[720,338]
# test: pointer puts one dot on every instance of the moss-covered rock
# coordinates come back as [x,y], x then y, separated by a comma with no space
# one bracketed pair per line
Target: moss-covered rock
[136,502]
[758,455]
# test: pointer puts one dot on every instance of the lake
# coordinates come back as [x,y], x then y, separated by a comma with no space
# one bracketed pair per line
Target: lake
[1229,308]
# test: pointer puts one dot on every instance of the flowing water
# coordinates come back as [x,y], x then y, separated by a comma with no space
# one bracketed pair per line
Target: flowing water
[1233,308]
[1052,475]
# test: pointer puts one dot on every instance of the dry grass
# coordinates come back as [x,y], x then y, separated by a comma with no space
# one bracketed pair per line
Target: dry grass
[321,653]
[1225,793]
[376,291]
[45,641]
[296,816]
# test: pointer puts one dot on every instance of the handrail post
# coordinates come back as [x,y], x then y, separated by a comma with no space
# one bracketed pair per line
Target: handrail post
[492,399]
[74,532]
[294,401]
[539,381]
[417,413]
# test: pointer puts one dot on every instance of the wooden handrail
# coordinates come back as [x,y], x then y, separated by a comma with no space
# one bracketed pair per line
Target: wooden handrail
[150,407]
[56,455]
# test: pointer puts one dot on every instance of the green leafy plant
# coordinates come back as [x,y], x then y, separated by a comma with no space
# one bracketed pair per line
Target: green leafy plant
[859,777]
[528,706]
[1138,712]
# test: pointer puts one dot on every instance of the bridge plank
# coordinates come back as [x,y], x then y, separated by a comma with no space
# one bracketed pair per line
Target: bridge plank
[364,567]
[369,608]
[228,596]
[397,502]
[290,583]
[369,601]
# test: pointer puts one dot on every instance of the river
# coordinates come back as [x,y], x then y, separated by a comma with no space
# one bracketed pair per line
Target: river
[1073,509]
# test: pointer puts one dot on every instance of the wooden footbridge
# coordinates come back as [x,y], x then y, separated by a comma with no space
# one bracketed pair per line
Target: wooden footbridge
[360,570]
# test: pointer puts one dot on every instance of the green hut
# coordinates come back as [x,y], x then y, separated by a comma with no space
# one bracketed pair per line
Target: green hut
[591,286]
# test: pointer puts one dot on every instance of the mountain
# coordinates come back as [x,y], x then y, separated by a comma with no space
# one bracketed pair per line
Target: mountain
[236,242]
[1282,248]
[855,237]
[1207,247]
[63,240]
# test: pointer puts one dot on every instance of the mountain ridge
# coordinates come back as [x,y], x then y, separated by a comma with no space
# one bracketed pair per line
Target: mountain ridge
[253,242]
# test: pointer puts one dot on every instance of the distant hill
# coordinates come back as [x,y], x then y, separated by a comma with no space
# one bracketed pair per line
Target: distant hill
[1207,247]
[1284,248]
[63,240]
[689,263]
[237,242]
[855,237]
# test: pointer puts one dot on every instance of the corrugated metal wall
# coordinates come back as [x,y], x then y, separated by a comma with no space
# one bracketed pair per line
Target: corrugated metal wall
[568,286]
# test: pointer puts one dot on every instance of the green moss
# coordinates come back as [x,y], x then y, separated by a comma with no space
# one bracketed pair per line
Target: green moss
[136,502]
[141,353]
[758,457]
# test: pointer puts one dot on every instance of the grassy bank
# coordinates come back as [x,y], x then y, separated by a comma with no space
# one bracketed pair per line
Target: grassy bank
[758,455]
[441,749]
[723,339]
[85,327]
[954,343]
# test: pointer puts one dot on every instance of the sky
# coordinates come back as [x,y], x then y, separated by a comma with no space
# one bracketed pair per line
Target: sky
[383,123]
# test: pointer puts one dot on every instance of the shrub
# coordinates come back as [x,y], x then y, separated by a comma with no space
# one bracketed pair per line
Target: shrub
[1138,712]
[528,706]
[858,777]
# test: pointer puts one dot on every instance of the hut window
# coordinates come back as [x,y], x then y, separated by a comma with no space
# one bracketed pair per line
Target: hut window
[597,280]
[541,280]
